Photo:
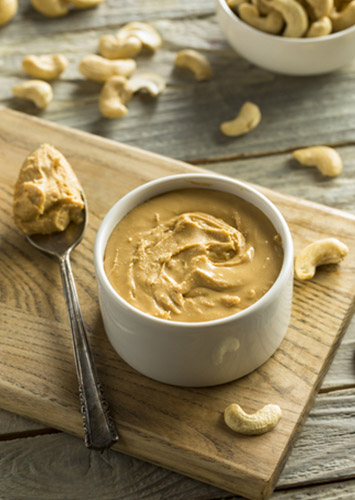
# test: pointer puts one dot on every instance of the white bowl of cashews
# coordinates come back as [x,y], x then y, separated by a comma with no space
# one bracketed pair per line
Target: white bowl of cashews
[300,46]
[200,353]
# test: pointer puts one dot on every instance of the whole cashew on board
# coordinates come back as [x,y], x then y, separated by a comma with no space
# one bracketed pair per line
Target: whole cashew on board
[262,421]
[8,9]
[325,251]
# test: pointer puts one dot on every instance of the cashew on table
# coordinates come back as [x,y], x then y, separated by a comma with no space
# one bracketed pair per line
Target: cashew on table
[247,119]
[262,421]
[326,159]
[45,67]
[37,91]
[100,69]
[195,62]
[325,251]
[59,8]
[8,9]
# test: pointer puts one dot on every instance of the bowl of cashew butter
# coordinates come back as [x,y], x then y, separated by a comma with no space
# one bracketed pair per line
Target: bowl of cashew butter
[195,277]
[292,37]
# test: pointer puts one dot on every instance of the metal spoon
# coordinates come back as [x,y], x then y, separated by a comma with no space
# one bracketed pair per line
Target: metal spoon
[99,429]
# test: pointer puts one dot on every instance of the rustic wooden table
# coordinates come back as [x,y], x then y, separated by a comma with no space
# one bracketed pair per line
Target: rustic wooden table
[41,463]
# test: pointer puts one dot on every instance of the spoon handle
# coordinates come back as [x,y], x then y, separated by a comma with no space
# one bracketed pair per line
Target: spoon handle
[100,432]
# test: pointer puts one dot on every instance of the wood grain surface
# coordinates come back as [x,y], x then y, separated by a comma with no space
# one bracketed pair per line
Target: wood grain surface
[181,429]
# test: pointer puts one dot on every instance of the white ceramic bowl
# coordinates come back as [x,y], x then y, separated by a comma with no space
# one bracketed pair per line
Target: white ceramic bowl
[292,56]
[204,353]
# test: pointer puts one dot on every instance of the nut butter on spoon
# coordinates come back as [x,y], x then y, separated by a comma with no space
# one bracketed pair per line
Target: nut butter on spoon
[50,208]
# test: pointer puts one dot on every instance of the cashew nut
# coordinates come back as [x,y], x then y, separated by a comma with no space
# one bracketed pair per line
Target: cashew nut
[247,119]
[99,69]
[196,62]
[326,251]
[295,17]
[320,8]
[37,91]
[150,83]
[233,4]
[321,27]
[46,67]
[263,6]
[257,423]
[326,159]
[112,47]
[271,23]
[343,19]
[51,8]
[8,9]
[113,97]
[85,4]
[148,35]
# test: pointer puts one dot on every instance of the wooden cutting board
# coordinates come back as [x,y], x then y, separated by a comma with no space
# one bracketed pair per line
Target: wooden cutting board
[177,428]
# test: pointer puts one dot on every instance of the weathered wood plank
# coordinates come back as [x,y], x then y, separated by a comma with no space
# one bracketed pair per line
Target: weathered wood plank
[184,121]
[325,449]
[343,490]
[284,174]
[60,464]
[342,370]
[110,13]
[11,424]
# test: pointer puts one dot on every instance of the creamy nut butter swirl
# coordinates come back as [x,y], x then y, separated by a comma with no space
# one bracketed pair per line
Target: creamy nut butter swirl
[193,255]
[47,195]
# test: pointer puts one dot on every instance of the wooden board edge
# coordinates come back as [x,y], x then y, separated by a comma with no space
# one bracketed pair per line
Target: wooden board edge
[179,164]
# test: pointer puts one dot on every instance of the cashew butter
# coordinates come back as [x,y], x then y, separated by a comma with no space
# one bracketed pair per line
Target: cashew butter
[193,255]
[47,195]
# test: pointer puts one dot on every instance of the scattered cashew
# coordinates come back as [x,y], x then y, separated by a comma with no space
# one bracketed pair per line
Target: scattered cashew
[85,4]
[326,159]
[343,19]
[148,35]
[326,251]
[247,119]
[51,8]
[321,8]
[295,17]
[46,67]
[271,23]
[37,91]
[321,27]
[262,421]
[100,69]
[150,83]
[8,9]
[113,97]
[196,62]
[112,47]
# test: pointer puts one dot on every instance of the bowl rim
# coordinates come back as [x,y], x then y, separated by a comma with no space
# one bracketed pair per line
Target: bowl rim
[280,39]
[100,247]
